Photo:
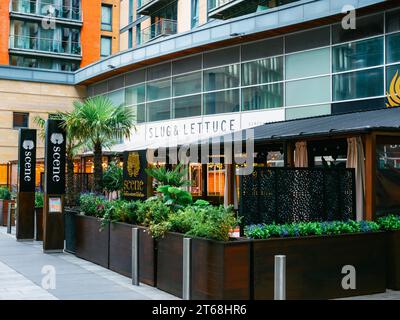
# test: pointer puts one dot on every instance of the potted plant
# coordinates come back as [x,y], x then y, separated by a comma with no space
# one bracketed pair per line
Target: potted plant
[391,224]
[39,216]
[5,201]
[321,259]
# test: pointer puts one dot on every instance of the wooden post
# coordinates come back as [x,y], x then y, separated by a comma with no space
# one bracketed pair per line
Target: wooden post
[370,176]
[230,173]
[204,182]
[289,154]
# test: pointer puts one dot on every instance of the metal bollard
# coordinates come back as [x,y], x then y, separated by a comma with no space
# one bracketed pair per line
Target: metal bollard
[135,256]
[9,219]
[187,253]
[280,278]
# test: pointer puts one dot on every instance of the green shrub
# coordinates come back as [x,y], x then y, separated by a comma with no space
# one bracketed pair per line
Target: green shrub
[302,229]
[5,194]
[113,178]
[175,197]
[390,222]
[39,200]
[93,205]
[152,211]
[175,177]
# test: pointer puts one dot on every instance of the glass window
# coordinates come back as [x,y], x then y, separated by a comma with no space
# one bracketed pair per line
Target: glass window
[195,13]
[186,84]
[105,46]
[221,78]
[159,110]
[140,113]
[20,120]
[262,71]
[365,27]
[187,65]
[307,64]
[135,77]
[187,106]
[393,85]
[221,57]
[360,84]
[262,49]
[393,21]
[106,17]
[100,88]
[393,48]
[116,83]
[117,97]
[221,102]
[135,94]
[309,91]
[159,71]
[305,112]
[307,40]
[262,97]
[356,55]
[158,90]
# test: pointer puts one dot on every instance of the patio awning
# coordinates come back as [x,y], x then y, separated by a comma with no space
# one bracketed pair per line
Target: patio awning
[348,123]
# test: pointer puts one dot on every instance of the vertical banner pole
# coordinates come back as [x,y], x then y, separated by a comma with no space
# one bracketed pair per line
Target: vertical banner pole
[54,187]
[9,219]
[135,256]
[25,208]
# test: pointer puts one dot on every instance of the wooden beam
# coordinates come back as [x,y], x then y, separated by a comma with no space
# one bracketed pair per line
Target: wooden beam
[289,154]
[370,176]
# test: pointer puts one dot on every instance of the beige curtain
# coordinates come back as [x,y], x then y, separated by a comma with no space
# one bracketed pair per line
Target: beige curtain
[356,160]
[301,155]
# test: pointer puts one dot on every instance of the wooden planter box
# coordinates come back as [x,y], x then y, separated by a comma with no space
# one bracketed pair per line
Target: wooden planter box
[219,270]
[4,212]
[121,252]
[393,259]
[314,265]
[70,229]
[39,224]
[91,244]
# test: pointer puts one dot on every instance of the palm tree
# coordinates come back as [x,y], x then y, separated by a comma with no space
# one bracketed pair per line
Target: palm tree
[98,121]
[72,147]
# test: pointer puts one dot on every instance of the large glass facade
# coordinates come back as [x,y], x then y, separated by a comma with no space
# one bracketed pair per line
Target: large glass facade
[309,73]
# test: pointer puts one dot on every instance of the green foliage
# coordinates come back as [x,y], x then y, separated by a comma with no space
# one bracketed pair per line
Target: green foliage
[113,178]
[5,194]
[390,222]
[206,222]
[173,178]
[302,229]
[201,203]
[175,197]
[39,200]
[93,205]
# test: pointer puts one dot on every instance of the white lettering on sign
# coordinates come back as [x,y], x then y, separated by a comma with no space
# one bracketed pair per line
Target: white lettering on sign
[27,145]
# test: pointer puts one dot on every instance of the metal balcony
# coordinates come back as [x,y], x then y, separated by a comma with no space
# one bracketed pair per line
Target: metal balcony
[46,9]
[161,28]
[227,9]
[52,46]
[148,7]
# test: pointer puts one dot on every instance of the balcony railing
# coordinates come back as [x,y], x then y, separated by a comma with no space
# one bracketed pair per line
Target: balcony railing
[226,9]
[46,45]
[46,8]
[163,27]
[150,7]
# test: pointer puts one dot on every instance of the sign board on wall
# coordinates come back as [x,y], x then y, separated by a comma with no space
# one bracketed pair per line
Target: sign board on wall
[27,160]
[135,176]
[55,158]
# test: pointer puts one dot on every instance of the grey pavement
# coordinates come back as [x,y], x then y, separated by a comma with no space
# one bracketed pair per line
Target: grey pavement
[21,277]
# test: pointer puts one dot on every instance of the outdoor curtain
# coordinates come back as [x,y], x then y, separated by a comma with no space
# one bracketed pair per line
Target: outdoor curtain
[355,160]
[301,155]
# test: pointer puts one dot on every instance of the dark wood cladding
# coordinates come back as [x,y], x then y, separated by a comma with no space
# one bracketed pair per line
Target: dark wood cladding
[121,248]
[220,270]
[314,265]
[70,229]
[91,244]
[39,224]
[147,258]
[393,260]
[4,212]
[169,263]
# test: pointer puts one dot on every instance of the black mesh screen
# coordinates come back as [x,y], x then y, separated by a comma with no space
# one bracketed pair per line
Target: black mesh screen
[284,195]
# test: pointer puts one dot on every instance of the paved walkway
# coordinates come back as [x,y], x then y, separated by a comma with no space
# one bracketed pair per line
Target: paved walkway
[21,277]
